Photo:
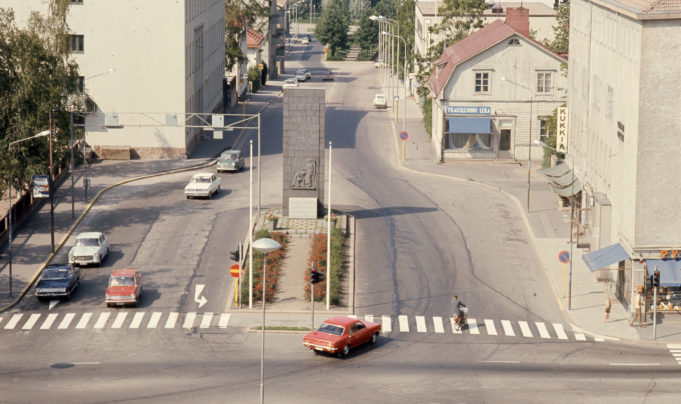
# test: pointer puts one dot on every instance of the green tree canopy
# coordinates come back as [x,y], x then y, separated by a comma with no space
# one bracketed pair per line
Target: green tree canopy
[561,41]
[367,32]
[239,16]
[333,25]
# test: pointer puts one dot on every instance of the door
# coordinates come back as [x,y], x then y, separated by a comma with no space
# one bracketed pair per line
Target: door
[505,140]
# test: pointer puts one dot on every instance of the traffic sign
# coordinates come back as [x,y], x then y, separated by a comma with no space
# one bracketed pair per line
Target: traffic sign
[234,270]
[404,135]
[564,257]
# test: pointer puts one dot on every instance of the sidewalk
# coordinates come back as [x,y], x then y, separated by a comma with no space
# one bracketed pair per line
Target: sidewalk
[549,227]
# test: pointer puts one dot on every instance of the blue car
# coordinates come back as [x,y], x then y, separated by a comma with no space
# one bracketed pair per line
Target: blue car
[57,280]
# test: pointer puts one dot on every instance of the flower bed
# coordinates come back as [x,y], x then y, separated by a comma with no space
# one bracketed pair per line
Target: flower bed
[318,259]
[274,262]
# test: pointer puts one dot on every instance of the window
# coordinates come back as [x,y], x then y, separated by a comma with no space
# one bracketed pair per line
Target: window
[544,82]
[76,1]
[77,44]
[611,102]
[543,128]
[482,82]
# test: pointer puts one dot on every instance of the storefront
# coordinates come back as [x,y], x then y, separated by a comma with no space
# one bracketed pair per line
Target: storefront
[468,133]
[669,292]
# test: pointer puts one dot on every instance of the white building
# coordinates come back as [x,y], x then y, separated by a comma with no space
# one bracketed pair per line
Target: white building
[139,57]
[624,127]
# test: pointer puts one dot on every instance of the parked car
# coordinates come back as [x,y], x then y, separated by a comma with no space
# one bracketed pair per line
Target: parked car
[230,160]
[57,280]
[291,83]
[125,288]
[380,101]
[91,248]
[305,41]
[303,75]
[327,75]
[338,335]
[203,185]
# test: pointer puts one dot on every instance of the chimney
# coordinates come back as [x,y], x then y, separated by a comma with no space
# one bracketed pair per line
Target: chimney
[519,20]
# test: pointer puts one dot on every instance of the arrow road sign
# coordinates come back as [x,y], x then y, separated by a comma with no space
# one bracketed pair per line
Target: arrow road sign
[197,296]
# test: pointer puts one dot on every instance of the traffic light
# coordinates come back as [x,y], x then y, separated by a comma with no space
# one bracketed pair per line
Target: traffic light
[316,277]
[656,279]
[234,255]
[649,282]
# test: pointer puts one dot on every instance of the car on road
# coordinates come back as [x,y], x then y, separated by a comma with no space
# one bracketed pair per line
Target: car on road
[91,248]
[57,280]
[305,41]
[290,83]
[303,75]
[230,160]
[125,288]
[327,76]
[380,101]
[203,185]
[339,334]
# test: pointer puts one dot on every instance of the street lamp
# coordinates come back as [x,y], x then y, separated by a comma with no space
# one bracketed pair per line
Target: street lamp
[265,246]
[404,110]
[9,212]
[529,147]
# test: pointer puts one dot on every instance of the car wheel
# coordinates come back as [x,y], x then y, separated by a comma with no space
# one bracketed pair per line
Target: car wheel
[100,259]
[345,351]
[373,338]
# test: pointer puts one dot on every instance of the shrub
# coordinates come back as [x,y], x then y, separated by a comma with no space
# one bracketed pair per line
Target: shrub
[254,77]
[318,259]
[274,262]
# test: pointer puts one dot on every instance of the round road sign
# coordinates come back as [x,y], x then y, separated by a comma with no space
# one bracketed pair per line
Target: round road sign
[234,270]
[404,135]
[564,257]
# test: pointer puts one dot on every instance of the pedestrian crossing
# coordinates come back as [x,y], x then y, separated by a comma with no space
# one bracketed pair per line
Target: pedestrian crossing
[508,328]
[675,350]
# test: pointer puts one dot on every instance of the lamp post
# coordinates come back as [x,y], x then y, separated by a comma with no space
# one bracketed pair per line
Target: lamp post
[529,142]
[265,246]
[9,211]
[404,109]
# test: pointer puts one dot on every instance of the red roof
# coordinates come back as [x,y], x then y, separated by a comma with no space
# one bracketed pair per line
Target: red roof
[471,46]
[254,39]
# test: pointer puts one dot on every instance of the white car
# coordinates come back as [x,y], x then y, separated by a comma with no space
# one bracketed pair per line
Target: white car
[305,41]
[290,83]
[90,248]
[203,185]
[380,101]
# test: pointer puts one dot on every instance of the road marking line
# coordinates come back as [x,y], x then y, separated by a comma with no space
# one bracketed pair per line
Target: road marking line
[580,337]
[31,321]
[224,320]
[189,320]
[489,325]
[634,364]
[404,323]
[508,328]
[49,321]
[437,324]
[369,317]
[560,331]
[673,346]
[103,317]
[525,329]
[172,318]
[120,318]
[66,321]
[84,319]
[421,324]
[455,330]
[153,321]
[599,339]
[13,321]
[205,321]
[387,323]
[543,332]
[137,319]
[473,326]
[676,354]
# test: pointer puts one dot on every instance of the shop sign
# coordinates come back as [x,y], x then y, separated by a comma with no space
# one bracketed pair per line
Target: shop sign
[673,254]
[41,186]
[562,129]
[471,110]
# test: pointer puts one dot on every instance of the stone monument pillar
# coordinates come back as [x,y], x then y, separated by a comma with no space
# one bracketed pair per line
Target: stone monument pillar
[304,163]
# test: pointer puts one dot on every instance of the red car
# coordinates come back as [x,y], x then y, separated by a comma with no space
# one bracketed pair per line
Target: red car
[125,288]
[339,334]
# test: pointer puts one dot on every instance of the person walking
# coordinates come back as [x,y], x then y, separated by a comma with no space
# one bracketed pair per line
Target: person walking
[608,306]
[638,302]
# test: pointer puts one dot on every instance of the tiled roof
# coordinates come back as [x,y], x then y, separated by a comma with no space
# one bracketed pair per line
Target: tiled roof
[650,6]
[254,39]
[429,8]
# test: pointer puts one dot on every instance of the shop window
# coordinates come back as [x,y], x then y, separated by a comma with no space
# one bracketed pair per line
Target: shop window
[544,82]
[76,43]
[469,141]
[482,82]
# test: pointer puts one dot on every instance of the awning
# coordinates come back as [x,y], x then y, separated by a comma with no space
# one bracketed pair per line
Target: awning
[470,125]
[670,271]
[604,257]
[562,180]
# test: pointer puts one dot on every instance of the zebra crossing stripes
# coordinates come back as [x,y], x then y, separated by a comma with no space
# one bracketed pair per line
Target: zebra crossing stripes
[404,323]
[508,328]
[420,324]
[82,323]
[543,332]
[120,318]
[205,321]
[369,317]
[137,319]
[455,329]
[189,320]
[489,326]
[172,319]
[31,321]
[525,329]
[560,331]
[224,320]
[102,320]
[13,321]
[66,321]
[675,350]
[155,318]
[437,324]
[473,326]
[386,323]
[49,321]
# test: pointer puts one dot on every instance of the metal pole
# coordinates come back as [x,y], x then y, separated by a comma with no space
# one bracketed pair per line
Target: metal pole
[259,183]
[328,237]
[241,259]
[73,209]
[655,310]
[312,296]
[572,221]
[404,111]
[262,349]
[85,179]
[51,189]
[9,249]
[250,230]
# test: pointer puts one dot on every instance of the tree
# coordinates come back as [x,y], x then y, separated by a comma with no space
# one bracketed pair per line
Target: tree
[366,35]
[333,25]
[239,16]
[36,77]
[405,18]
[561,41]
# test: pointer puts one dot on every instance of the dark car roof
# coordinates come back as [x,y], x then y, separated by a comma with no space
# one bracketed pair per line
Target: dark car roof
[65,266]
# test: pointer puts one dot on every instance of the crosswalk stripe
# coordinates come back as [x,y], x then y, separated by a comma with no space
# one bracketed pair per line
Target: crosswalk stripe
[386,325]
[508,328]
[153,321]
[224,320]
[560,331]
[31,321]
[543,332]
[473,326]
[674,346]
[189,320]
[580,337]
[599,339]
[437,324]
[489,326]
[455,330]
[420,324]
[13,321]
[84,319]
[525,329]
[404,323]
[172,318]
[369,317]
[101,320]
[49,321]
[120,318]
[137,319]
[205,321]
[66,321]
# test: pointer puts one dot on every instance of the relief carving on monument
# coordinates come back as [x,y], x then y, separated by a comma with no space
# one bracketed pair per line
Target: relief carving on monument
[306,177]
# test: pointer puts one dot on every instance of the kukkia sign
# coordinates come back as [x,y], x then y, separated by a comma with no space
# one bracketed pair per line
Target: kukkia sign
[562,129]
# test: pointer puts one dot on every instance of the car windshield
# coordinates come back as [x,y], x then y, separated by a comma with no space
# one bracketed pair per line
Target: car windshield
[232,156]
[330,329]
[87,242]
[55,273]
[201,180]
[122,281]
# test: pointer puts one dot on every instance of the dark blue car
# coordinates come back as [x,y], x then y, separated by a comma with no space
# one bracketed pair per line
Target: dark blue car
[57,280]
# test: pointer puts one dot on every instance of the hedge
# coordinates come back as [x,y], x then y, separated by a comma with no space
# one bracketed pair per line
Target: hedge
[274,262]
[318,259]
